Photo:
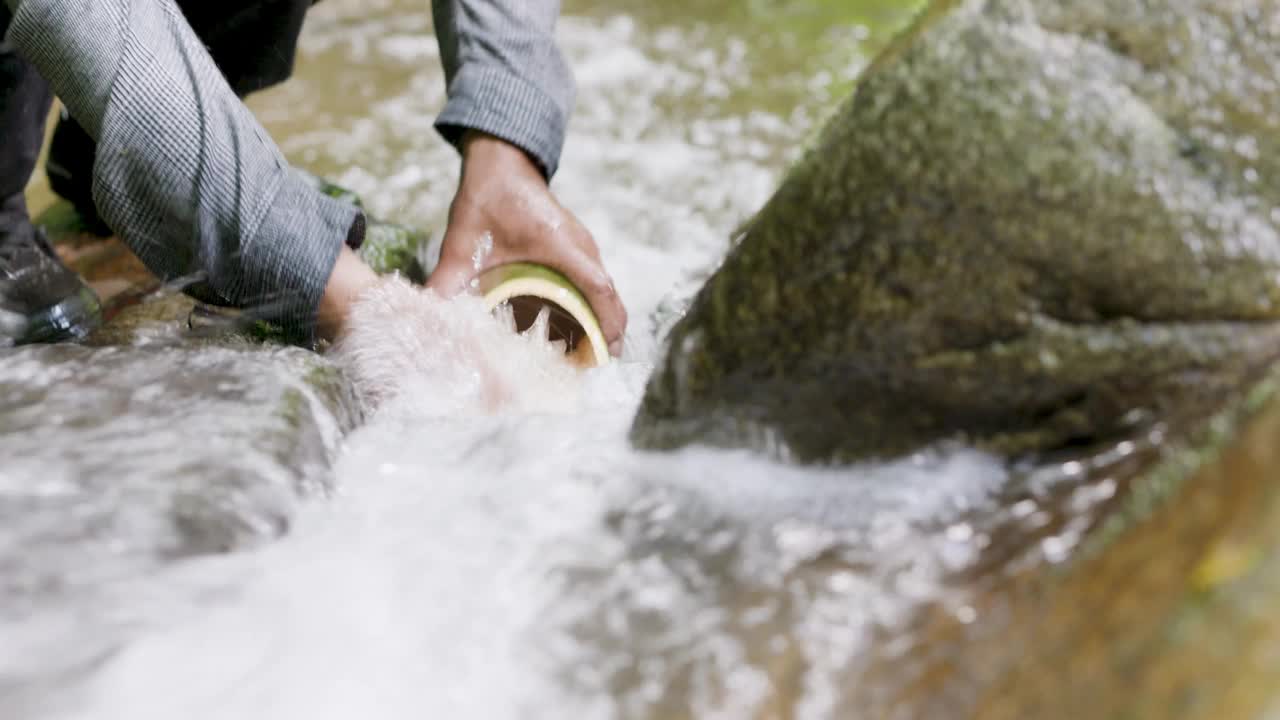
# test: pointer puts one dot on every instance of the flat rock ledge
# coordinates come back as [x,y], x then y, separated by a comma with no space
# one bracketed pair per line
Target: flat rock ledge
[149,443]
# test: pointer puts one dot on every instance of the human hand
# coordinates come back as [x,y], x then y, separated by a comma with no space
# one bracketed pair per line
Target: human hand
[350,277]
[504,213]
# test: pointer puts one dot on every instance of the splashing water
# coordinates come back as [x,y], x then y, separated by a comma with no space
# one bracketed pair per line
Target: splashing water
[494,548]
[451,356]
[500,563]
[482,252]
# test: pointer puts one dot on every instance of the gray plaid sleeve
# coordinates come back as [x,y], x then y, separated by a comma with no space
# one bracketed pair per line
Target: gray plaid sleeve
[184,173]
[505,73]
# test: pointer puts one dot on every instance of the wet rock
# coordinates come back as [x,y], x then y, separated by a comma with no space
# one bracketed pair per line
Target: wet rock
[1139,582]
[1038,224]
[120,458]
[1046,228]
[390,248]
[167,434]
[387,247]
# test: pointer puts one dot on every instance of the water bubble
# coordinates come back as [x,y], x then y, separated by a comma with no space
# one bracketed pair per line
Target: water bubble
[1055,549]
[960,532]
[483,250]
[541,325]
[1023,508]
[842,582]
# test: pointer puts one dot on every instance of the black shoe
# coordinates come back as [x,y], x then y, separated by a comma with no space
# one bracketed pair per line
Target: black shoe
[41,299]
[70,171]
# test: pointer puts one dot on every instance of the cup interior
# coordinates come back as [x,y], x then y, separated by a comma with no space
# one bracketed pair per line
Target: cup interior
[561,326]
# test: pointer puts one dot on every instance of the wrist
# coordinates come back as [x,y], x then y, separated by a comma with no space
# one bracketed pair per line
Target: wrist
[493,154]
[349,279]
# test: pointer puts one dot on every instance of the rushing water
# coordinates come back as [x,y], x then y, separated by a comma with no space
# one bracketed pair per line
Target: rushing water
[494,549]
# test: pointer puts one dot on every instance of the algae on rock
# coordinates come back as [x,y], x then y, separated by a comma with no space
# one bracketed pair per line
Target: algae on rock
[1037,223]
[387,247]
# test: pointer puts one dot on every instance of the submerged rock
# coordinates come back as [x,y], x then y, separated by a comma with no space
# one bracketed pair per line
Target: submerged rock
[1037,224]
[1140,582]
[120,459]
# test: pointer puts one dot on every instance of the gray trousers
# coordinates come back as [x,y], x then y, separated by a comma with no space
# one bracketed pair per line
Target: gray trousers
[253,43]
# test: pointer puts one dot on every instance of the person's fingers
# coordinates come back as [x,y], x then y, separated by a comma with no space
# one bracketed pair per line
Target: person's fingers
[568,248]
[612,314]
[453,274]
[448,280]
[603,293]
[588,274]
[348,279]
[572,250]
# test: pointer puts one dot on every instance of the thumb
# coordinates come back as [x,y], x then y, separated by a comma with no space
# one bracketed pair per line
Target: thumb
[450,278]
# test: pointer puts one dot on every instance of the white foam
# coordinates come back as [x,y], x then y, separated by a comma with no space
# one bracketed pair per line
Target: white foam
[449,357]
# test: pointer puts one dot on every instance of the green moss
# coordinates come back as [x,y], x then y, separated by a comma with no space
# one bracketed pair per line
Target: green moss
[330,189]
[1160,484]
[1002,238]
[387,248]
[392,248]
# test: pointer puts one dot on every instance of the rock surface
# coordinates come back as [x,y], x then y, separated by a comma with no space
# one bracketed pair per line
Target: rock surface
[150,442]
[1139,582]
[120,458]
[1037,224]
[165,434]
[1047,228]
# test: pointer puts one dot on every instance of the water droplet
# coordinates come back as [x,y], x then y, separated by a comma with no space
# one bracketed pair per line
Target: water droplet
[960,532]
[1055,549]
[541,328]
[1039,519]
[483,250]
[841,582]
[1106,489]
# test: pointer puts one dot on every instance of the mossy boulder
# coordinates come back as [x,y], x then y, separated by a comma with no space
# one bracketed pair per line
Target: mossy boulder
[1036,224]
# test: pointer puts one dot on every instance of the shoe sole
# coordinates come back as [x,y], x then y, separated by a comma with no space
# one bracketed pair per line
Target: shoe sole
[71,319]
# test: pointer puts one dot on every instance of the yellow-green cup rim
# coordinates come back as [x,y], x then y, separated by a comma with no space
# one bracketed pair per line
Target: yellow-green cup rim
[500,284]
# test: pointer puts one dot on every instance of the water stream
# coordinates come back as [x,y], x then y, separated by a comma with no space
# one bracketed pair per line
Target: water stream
[513,557]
